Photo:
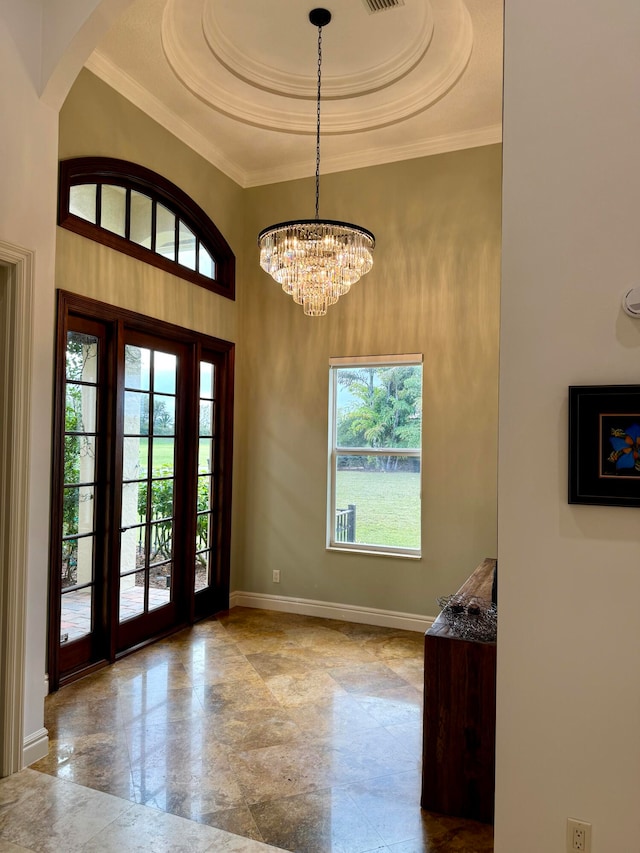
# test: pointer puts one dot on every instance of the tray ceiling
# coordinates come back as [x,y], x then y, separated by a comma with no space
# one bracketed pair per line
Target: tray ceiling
[236,79]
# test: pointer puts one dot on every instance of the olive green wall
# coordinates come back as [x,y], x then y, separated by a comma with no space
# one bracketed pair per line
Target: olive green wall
[434,289]
[97,121]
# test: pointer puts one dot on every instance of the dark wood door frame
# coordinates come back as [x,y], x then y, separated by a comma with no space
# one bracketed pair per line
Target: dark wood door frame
[116,321]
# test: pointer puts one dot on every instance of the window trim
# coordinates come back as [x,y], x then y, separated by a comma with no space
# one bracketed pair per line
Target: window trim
[131,176]
[335,363]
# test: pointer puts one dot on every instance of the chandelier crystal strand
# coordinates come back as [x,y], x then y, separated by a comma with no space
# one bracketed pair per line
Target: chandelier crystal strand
[316,261]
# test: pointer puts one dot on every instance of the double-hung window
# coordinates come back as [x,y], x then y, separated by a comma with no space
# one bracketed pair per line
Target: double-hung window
[375,441]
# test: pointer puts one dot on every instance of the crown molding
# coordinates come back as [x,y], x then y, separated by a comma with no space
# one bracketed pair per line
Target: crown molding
[140,97]
[103,68]
[490,135]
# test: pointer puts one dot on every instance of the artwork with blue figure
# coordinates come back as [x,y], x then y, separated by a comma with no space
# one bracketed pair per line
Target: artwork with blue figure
[624,459]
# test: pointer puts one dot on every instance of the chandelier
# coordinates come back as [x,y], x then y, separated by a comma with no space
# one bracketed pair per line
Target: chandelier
[316,260]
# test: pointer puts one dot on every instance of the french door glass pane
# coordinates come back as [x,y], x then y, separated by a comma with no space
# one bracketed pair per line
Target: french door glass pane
[204,492]
[137,368]
[136,413]
[131,597]
[147,549]
[78,503]
[205,454]
[163,455]
[203,560]
[164,414]
[204,520]
[160,578]
[79,475]
[80,411]
[203,534]
[134,503]
[134,458]
[69,562]
[161,533]
[79,458]
[76,618]
[206,417]
[206,380]
[82,357]
[132,542]
[164,373]
[161,499]
[77,561]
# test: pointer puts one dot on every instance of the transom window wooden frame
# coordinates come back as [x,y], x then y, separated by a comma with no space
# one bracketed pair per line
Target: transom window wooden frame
[111,201]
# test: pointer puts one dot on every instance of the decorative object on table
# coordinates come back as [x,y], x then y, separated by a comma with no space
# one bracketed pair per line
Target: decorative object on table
[604,445]
[470,617]
[316,260]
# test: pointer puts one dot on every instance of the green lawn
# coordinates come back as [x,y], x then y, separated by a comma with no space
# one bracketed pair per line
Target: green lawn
[163,453]
[387,506]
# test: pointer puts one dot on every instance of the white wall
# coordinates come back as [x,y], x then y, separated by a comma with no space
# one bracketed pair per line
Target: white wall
[28,157]
[569,586]
[32,43]
[71,30]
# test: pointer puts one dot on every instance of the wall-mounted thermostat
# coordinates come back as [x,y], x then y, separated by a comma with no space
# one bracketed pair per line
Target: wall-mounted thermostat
[631,302]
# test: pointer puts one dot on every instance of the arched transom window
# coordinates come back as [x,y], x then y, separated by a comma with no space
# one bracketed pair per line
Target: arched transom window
[138,212]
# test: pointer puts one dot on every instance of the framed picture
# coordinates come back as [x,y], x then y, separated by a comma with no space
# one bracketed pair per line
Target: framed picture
[604,445]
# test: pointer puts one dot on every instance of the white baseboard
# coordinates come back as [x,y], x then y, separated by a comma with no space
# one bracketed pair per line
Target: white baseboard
[331,610]
[35,747]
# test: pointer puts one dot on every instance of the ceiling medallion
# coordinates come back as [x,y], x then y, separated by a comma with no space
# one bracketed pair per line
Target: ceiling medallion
[316,260]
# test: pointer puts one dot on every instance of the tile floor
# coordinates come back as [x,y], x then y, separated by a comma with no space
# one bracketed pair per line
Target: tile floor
[49,815]
[291,730]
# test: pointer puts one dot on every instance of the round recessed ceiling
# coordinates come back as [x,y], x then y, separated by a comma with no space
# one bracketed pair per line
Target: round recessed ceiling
[256,61]
[285,63]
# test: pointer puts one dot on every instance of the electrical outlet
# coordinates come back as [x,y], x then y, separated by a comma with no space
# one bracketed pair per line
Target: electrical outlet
[578,836]
[276,575]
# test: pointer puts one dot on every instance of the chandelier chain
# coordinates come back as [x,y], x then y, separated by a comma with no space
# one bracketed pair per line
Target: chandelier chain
[318,123]
[316,260]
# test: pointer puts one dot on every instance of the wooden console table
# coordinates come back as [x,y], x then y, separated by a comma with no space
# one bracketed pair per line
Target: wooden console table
[458,753]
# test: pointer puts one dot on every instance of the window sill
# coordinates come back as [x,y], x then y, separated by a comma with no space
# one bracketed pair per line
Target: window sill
[404,555]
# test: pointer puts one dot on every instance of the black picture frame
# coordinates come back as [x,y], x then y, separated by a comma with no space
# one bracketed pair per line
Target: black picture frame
[604,445]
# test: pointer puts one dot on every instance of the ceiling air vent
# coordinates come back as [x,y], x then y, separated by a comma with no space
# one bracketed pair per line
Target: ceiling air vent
[381,5]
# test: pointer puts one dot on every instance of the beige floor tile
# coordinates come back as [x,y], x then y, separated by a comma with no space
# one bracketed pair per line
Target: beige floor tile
[40,820]
[367,678]
[317,822]
[410,669]
[256,725]
[307,688]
